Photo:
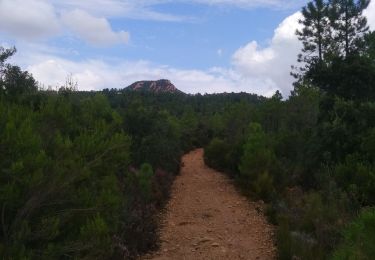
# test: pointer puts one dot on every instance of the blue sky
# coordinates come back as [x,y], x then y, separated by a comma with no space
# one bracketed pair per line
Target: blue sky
[201,45]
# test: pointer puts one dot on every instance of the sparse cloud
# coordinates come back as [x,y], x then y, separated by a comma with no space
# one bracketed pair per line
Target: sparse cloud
[96,31]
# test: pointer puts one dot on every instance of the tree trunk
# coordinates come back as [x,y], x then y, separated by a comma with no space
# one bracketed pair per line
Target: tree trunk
[346,30]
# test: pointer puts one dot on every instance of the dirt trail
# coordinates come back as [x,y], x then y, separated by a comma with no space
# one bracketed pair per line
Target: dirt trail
[207,218]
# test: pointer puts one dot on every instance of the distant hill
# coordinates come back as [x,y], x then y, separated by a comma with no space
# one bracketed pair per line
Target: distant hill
[159,86]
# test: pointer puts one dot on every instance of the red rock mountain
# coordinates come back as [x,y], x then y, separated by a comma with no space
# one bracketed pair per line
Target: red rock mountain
[159,86]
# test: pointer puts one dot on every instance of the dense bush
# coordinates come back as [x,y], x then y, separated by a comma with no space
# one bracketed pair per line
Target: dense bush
[60,169]
[76,180]
[257,164]
[359,238]
[216,154]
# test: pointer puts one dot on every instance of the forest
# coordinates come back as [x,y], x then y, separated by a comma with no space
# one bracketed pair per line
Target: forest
[83,175]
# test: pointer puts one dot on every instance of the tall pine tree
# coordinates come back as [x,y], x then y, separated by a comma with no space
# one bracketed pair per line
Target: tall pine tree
[349,25]
[315,37]
[314,32]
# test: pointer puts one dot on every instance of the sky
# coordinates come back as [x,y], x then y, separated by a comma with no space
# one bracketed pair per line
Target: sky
[202,46]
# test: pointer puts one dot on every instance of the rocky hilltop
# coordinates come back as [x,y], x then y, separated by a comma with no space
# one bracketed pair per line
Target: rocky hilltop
[159,86]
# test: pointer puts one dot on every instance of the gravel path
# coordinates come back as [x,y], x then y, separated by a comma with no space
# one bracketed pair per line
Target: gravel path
[207,218]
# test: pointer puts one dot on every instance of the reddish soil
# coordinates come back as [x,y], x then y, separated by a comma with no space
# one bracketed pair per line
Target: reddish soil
[207,218]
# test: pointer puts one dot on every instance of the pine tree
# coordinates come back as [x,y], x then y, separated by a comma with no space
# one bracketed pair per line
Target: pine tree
[348,23]
[314,32]
[5,54]
[13,81]
[370,45]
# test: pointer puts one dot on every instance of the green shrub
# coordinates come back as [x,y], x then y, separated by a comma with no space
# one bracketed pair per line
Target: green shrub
[284,240]
[263,186]
[145,177]
[257,163]
[357,178]
[359,238]
[296,245]
[216,154]
[60,190]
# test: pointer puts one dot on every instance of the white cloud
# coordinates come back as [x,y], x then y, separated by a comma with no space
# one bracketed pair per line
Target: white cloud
[96,31]
[370,14]
[28,19]
[251,58]
[50,72]
[271,65]
[96,75]
[35,19]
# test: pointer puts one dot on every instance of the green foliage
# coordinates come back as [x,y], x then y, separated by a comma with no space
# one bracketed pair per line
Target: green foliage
[359,238]
[284,240]
[310,223]
[349,24]
[15,84]
[60,182]
[337,48]
[156,137]
[357,178]
[314,32]
[343,128]
[295,244]
[217,154]
[145,181]
[188,127]
[5,54]
[350,78]
[368,145]
[263,185]
[257,162]
[370,45]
